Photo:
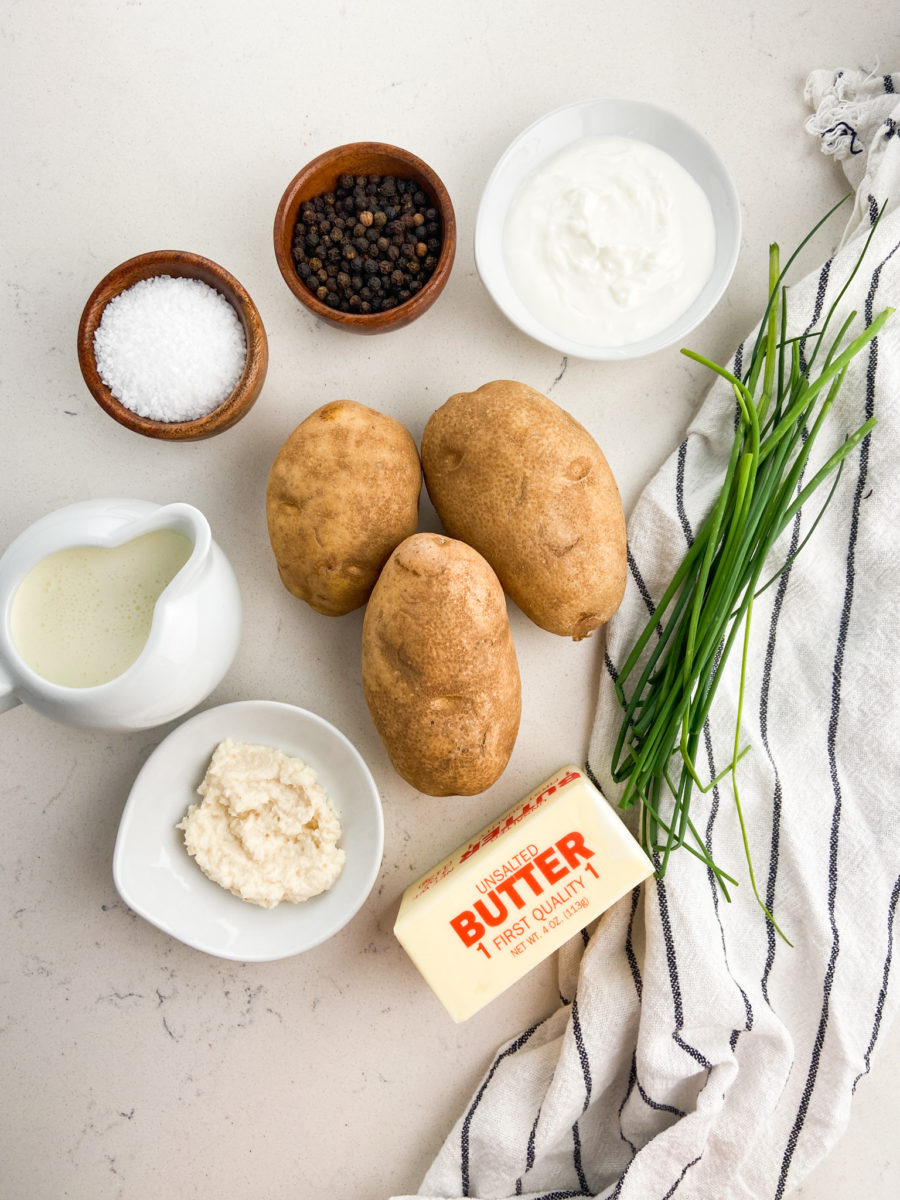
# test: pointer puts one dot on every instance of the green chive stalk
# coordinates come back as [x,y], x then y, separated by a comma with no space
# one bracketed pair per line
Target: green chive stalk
[782,403]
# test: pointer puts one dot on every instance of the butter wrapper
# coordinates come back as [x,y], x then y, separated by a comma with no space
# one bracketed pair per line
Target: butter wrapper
[509,896]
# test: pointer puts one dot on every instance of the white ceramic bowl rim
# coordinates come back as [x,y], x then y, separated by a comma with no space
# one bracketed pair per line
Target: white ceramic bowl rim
[550,133]
[157,878]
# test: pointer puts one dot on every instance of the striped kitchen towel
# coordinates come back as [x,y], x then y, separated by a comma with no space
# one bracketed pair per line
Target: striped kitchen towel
[695,1052]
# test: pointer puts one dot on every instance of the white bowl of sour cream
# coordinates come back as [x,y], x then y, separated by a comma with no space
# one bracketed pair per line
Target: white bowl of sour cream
[158,879]
[608,229]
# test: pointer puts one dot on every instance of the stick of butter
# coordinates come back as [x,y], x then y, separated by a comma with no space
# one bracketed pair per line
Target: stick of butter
[506,899]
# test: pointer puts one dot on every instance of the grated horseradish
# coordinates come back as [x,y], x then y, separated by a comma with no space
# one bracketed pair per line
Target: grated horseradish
[265,829]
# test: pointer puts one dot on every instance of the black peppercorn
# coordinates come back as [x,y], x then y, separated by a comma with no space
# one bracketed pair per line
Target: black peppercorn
[369,245]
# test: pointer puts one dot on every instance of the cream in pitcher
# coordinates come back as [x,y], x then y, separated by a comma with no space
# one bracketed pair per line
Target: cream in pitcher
[116,614]
[81,616]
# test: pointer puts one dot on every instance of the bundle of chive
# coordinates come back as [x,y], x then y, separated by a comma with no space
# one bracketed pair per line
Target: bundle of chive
[782,401]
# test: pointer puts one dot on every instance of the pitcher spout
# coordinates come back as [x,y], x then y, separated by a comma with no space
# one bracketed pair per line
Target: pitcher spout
[191,523]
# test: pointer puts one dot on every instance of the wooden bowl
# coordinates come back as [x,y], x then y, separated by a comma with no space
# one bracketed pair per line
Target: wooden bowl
[322,175]
[190,266]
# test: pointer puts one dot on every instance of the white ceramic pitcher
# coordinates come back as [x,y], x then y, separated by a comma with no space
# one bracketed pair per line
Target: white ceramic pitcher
[193,635]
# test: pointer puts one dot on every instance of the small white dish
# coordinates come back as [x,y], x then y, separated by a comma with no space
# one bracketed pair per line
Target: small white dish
[560,128]
[157,878]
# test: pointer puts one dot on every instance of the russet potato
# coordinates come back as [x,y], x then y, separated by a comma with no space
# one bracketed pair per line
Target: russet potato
[343,491]
[439,667]
[514,475]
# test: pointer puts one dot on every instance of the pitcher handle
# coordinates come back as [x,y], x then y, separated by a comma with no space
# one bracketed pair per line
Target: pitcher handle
[8,698]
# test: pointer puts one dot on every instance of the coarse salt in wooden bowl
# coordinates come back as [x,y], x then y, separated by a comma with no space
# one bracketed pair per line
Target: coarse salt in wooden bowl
[176,264]
[322,176]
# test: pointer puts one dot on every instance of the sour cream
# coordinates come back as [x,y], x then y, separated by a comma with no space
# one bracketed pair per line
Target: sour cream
[610,241]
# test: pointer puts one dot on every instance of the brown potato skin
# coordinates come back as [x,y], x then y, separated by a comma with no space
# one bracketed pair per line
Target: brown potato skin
[343,491]
[439,667]
[518,478]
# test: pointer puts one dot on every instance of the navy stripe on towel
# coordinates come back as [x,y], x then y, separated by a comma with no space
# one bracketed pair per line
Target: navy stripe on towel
[678,1182]
[837,669]
[529,1153]
[586,1075]
[632,1080]
[512,1048]
[629,944]
[879,1006]
[775,839]
[679,493]
[672,961]
[639,582]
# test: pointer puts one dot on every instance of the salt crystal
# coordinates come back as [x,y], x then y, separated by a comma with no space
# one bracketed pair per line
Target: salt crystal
[170,348]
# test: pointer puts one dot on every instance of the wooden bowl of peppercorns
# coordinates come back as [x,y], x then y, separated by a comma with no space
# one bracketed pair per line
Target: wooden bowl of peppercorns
[365,236]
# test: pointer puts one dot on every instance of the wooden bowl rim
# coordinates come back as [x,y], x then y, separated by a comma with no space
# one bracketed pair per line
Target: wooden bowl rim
[286,218]
[181,264]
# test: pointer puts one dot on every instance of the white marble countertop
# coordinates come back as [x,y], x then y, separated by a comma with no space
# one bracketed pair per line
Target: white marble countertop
[136,1067]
